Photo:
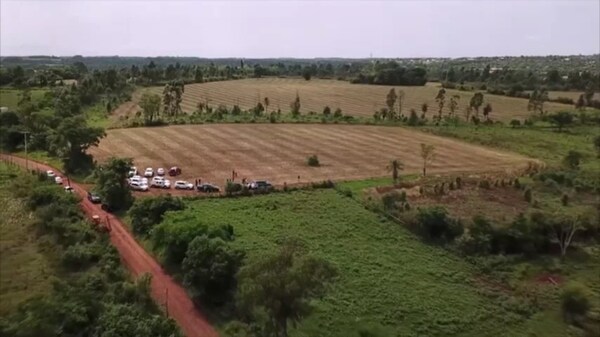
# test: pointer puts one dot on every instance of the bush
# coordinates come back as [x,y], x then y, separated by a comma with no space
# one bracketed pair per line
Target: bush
[323,184]
[326,111]
[575,303]
[147,212]
[565,200]
[313,161]
[231,188]
[391,199]
[528,195]
[435,224]
[485,184]
[515,123]
[337,113]
[573,159]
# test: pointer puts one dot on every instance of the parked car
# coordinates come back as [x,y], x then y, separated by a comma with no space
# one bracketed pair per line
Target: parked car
[58,180]
[138,179]
[50,174]
[69,189]
[209,188]
[149,172]
[260,185]
[174,171]
[160,171]
[133,171]
[183,185]
[105,207]
[94,198]
[138,186]
[160,182]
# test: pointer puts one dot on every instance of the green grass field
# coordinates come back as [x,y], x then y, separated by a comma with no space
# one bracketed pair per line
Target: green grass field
[24,269]
[387,276]
[10,97]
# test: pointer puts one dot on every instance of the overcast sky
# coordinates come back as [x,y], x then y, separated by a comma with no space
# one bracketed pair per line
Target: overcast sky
[300,28]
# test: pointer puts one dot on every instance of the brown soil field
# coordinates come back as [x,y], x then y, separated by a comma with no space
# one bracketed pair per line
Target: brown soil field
[278,152]
[353,99]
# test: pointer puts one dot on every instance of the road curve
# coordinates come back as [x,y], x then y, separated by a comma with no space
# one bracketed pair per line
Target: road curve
[165,291]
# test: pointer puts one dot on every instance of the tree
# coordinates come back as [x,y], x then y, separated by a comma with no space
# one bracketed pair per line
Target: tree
[441,101]
[111,183]
[148,212]
[70,140]
[390,101]
[401,95]
[453,104]
[573,159]
[413,119]
[283,285]
[428,154]
[536,101]
[198,75]
[424,108]
[565,228]
[326,111]
[307,73]
[580,104]
[150,104]
[337,113]
[267,102]
[209,268]
[295,106]
[575,301]
[395,166]
[515,123]
[172,97]
[561,119]
[487,109]
[476,102]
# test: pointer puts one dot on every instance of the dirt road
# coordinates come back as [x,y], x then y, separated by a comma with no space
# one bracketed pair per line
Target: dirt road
[165,291]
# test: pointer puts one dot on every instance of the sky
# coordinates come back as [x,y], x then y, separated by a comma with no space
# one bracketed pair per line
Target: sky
[301,29]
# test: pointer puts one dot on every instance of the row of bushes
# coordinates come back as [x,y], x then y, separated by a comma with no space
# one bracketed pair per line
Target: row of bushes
[95,297]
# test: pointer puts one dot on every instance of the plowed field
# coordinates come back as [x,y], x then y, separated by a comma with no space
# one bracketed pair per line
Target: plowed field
[353,99]
[278,152]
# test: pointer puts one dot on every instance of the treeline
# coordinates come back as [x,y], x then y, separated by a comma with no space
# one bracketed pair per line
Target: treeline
[508,79]
[93,296]
[57,123]
[391,73]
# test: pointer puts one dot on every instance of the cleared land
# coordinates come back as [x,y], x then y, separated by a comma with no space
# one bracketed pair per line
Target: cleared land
[353,99]
[278,152]
[10,97]
[386,275]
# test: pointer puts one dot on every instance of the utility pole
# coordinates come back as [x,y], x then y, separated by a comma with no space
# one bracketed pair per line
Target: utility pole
[25,133]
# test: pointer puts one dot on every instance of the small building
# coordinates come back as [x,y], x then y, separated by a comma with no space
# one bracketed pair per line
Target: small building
[3,109]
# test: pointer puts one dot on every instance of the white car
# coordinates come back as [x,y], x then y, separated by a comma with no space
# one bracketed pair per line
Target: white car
[50,174]
[149,172]
[160,182]
[183,185]
[58,180]
[133,171]
[138,179]
[138,186]
[69,189]
[160,171]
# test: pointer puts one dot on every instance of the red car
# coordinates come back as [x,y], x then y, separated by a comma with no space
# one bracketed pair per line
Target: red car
[174,171]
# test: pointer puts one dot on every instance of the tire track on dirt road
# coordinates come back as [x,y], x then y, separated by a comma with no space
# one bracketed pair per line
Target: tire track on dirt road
[164,289]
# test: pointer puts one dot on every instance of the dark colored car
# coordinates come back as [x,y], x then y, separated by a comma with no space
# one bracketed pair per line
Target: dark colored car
[106,208]
[174,171]
[94,198]
[209,188]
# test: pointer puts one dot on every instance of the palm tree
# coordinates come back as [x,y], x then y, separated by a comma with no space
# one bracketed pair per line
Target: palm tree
[395,166]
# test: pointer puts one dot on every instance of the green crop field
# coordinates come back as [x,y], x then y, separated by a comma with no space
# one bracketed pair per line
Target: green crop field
[24,269]
[386,275]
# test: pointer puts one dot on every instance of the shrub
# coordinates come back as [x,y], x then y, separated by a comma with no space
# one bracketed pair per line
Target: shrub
[565,199]
[232,187]
[313,160]
[573,159]
[575,302]
[528,195]
[517,183]
[515,123]
[147,212]
[485,184]
[390,200]
[326,111]
[337,113]
[323,184]
[435,224]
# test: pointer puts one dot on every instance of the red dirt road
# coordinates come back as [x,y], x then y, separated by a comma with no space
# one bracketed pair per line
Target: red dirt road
[164,289]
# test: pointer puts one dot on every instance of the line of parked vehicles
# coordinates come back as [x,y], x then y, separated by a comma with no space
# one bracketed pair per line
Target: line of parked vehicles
[149,179]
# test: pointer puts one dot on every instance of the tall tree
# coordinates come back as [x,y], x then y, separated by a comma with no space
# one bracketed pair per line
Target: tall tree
[401,96]
[172,97]
[424,108]
[111,183]
[580,104]
[476,102]
[427,154]
[536,101]
[390,101]
[453,104]
[150,104]
[267,102]
[283,285]
[487,110]
[561,119]
[395,166]
[295,106]
[70,140]
[441,101]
